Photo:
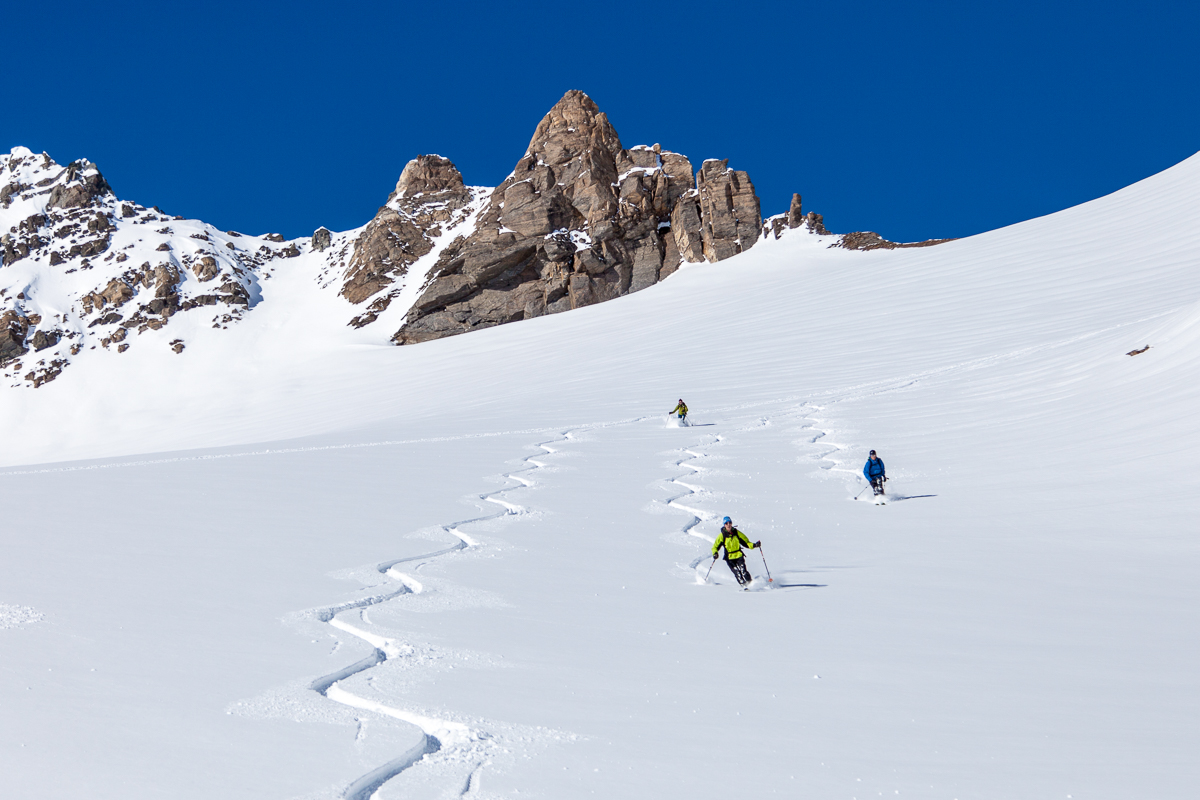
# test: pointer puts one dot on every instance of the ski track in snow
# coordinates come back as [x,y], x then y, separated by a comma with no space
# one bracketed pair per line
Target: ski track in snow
[439,735]
[698,515]
[822,430]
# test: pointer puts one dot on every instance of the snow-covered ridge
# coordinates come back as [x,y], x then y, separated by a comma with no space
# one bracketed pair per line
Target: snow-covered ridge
[86,275]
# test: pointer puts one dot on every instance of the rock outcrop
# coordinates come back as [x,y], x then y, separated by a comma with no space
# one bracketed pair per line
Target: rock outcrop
[430,194]
[869,240]
[794,218]
[13,327]
[579,221]
[321,239]
[729,210]
[84,184]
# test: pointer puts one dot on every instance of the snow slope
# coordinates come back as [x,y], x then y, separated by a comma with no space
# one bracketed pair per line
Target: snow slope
[487,552]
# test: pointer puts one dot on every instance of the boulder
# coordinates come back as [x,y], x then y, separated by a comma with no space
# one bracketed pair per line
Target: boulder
[13,327]
[83,184]
[165,278]
[88,249]
[321,239]
[43,339]
[205,268]
[8,191]
[99,223]
[12,250]
[34,222]
[47,373]
[116,294]
[816,223]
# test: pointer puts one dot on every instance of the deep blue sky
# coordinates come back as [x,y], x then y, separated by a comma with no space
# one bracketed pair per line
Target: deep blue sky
[915,120]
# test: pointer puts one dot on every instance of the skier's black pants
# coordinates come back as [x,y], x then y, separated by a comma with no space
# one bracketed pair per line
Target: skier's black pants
[877,485]
[738,567]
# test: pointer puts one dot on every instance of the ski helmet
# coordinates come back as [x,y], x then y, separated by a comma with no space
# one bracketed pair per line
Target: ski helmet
[872,452]
[726,521]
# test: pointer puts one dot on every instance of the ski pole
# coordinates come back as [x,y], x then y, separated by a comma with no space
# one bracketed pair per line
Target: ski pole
[710,566]
[868,486]
[768,569]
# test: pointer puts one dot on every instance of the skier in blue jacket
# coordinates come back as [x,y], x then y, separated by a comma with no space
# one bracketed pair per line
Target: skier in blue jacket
[874,472]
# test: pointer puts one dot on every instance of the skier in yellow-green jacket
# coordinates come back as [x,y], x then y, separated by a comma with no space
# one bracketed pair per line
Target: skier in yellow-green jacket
[680,410]
[733,541]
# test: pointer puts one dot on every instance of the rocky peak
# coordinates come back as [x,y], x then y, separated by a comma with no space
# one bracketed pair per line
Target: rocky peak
[429,199]
[572,128]
[580,220]
[429,175]
[77,185]
[565,179]
[574,132]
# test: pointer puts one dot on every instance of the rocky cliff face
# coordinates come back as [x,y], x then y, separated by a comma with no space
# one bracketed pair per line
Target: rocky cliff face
[581,220]
[429,197]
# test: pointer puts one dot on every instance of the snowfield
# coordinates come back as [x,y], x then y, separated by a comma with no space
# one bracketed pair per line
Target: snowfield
[292,563]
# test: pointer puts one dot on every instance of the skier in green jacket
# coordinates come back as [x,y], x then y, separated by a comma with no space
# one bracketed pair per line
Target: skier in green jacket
[680,410]
[733,541]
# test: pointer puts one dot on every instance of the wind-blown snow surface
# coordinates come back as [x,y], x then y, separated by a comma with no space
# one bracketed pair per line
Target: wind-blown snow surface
[1018,622]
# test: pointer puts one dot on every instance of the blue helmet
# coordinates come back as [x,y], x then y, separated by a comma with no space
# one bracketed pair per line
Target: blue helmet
[727,519]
